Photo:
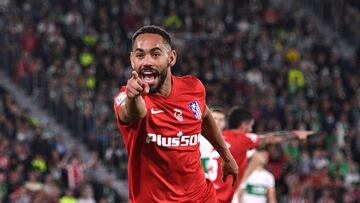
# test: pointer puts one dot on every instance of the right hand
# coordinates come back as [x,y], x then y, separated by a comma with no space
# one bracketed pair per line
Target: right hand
[302,134]
[230,167]
[135,86]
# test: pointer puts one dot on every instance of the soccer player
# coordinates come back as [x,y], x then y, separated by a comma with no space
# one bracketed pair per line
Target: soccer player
[206,148]
[240,142]
[259,186]
[161,117]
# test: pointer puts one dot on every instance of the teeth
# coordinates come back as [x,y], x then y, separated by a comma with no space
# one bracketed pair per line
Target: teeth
[149,75]
[149,79]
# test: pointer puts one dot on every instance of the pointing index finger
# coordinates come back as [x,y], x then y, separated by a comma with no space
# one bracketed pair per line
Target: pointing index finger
[146,88]
[134,75]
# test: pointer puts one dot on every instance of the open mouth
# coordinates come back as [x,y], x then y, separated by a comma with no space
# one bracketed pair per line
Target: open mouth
[149,75]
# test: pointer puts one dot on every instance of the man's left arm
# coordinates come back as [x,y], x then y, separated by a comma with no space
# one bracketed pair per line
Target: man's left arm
[213,135]
[281,136]
[272,195]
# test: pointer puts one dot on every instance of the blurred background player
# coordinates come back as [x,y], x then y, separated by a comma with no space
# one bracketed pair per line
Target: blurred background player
[206,148]
[239,140]
[259,186]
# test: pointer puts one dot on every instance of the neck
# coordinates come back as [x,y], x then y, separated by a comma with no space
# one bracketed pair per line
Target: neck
[239,130]
[165,89]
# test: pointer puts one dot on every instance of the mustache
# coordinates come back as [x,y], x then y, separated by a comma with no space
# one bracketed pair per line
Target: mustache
[149,68]
[152,69]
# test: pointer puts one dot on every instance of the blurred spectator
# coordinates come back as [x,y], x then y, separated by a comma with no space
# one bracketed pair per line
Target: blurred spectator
[3,186]
[32,157]
[86,195]
[68,197]
[51,189]
[75,170]
[107,192]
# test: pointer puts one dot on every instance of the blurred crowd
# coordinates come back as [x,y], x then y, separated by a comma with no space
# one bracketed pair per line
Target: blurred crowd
[342,16]
[35,165]
[72,58]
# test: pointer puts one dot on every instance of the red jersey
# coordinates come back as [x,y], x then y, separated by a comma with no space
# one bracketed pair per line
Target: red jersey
[239,144]
[163,148]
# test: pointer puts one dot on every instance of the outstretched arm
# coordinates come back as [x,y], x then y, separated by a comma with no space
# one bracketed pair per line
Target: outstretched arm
[280,136]
[134,107]
[213,135]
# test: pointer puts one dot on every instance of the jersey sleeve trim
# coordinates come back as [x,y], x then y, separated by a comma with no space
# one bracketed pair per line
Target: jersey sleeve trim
[254,138]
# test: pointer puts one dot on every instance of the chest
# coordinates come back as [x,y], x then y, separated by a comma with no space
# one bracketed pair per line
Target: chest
[173,123]
[174,114]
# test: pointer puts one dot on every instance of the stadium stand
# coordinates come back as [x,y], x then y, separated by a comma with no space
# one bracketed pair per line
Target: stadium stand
[71,57]
[36,164]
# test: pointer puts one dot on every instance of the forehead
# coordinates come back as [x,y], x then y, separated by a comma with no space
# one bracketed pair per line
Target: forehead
[149,41]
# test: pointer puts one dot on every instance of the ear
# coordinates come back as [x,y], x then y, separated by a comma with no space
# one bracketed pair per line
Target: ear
[172,58]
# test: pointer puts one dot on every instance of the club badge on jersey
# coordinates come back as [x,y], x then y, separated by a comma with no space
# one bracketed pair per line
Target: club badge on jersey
[195,108]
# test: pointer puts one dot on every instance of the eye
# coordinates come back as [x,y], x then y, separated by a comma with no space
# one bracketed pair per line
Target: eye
[156,54]
[139,55]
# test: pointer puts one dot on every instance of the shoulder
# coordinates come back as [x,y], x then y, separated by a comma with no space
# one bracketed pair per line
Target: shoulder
[189,81]
[267,173]
[230,132]
[252,136]
[250,139]
[270,178]
[188,77]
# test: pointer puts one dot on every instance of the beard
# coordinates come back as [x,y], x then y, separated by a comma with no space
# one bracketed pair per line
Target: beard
[162,77]
[154,76]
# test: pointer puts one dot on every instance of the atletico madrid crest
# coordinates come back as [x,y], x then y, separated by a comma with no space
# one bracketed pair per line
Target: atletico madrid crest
[195,108]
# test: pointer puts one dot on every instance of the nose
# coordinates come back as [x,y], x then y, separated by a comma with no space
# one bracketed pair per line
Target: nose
[147,61]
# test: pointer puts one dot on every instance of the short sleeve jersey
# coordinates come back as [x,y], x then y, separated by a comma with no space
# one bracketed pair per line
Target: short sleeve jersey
[163,148]
[239,144]
[257,186]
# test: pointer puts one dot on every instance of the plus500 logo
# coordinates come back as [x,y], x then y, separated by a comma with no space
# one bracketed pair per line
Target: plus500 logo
[185,140]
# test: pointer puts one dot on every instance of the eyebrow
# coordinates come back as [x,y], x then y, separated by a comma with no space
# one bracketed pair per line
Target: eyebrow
[151,50]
